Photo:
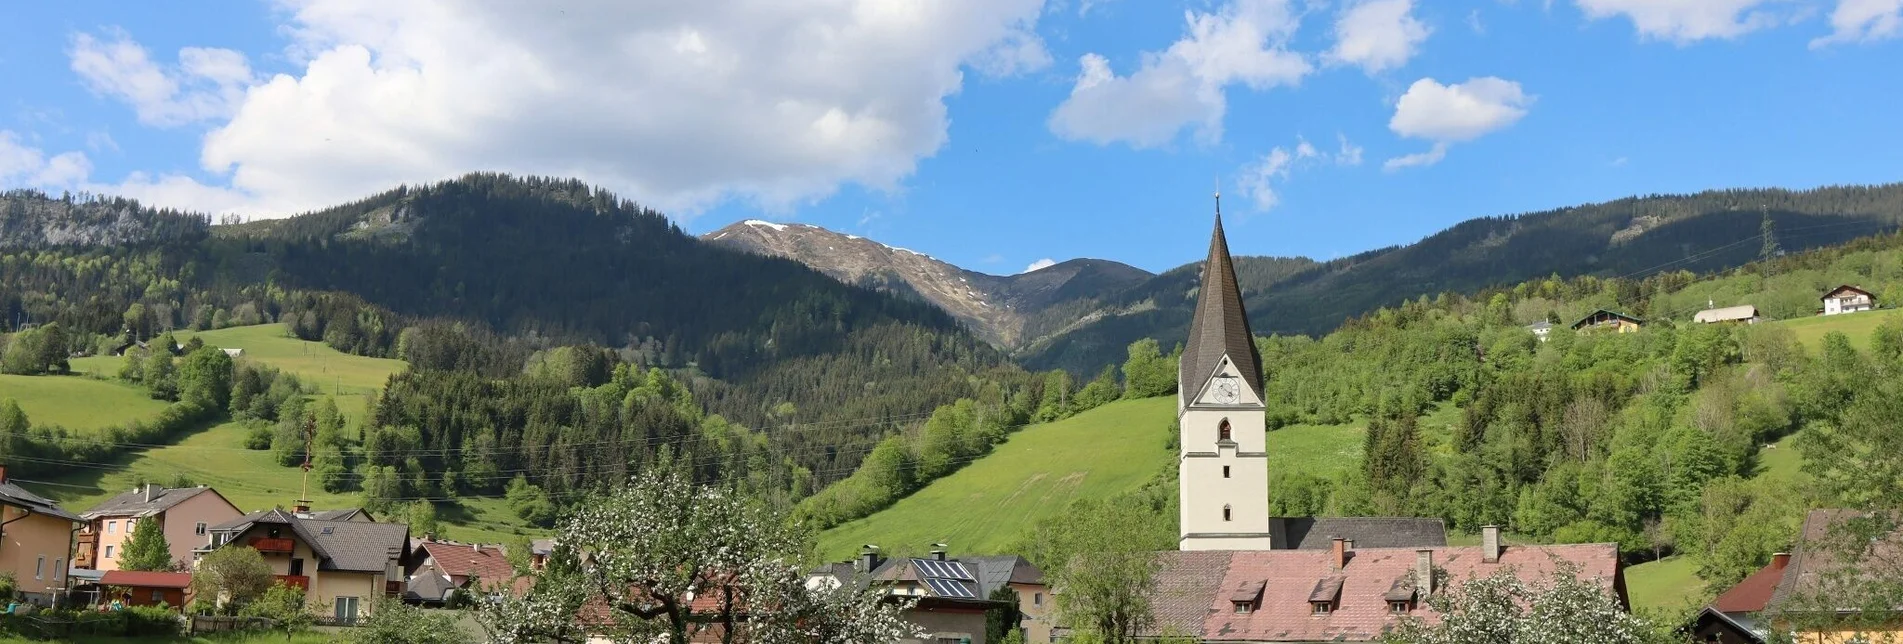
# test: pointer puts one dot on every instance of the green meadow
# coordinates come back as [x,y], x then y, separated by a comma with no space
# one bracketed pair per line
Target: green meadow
[78,402]
[1811,330]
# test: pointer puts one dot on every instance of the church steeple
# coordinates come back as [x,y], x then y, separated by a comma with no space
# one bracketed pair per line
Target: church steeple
[1221,324]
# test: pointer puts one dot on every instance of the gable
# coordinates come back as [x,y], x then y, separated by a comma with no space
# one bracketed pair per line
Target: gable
[1210,392]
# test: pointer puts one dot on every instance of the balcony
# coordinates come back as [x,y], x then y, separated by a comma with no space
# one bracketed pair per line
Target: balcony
[299,582]
[268,545]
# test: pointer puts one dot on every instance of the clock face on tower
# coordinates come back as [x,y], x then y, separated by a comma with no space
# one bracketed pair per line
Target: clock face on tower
[1228,390]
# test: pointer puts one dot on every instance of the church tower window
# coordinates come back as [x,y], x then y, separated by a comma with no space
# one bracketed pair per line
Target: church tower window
[1222,430]
[1225,513]
[1225,471]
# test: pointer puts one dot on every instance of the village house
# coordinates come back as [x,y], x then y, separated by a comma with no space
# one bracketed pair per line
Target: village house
[1848,299]
[1541,329]
[1604,320]
[1346,593]
[443,567]
[1741,314]
[953,594]
[1779,598]
[185,514]
[36,541]
[136,588]
[341,559]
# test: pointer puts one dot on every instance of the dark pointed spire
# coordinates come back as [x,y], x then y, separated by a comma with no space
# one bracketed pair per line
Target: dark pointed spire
[1221,324]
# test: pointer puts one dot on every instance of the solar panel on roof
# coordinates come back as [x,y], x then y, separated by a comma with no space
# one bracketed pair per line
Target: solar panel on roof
[956,570]
[959,589]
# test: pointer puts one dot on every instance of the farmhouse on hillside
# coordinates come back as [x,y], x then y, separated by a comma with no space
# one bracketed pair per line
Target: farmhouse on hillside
[1848,299]
[36,541]
[1605,320]
[1741,314]
[1540,329]
[341,559]
[185,514]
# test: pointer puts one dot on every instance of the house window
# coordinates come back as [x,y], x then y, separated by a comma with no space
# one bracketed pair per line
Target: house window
[1222,430]
[108,552]
[1399,607]
[158,596]
[1037,599]
[1225,513]
[346,610]
[39,568]
[1225,471]
[199,528]
[112,527]
[59,568]
[1321,608]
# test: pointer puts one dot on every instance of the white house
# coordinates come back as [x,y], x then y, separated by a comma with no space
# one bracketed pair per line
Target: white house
[1848,299]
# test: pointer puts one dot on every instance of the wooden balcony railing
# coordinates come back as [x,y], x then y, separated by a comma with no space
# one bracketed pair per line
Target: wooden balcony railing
[299,582]
[265,544]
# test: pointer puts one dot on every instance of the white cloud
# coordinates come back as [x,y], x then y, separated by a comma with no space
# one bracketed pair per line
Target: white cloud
[1377,35]
[206,84]
[25,165]
[1474,23]
[1863,21]
[1684,21]
[680,105]
[1244,42]
[1258,179]
[1039,265]
[1446,114]
[101,141]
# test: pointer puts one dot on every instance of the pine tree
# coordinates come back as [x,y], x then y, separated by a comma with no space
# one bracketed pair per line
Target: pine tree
[146,549]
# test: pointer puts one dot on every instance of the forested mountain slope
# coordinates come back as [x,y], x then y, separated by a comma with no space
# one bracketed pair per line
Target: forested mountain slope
[1632,236]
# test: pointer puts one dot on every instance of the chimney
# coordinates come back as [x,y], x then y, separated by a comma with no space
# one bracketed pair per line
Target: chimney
[938,551]
[1423,573]
[1339,554]
[1780,560]
[477,547]
[152,491]
[302,507]
[869,559]
[1490,545]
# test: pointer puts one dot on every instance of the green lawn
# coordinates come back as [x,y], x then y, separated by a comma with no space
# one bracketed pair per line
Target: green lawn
[1811,330]
[1783,462]
[1669,584]
[353,379]
[77,402]
[984,507]
[1037,472]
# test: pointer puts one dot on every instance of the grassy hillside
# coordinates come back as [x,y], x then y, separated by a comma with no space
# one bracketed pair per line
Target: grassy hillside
[1042,468]
[78,403]
[1670,584]
[1811,330]
[351,378]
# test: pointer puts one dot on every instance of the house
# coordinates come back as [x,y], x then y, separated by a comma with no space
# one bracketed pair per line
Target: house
[1815,573]
[1540,329]
[134,588]
[1741,314]
[539,551]
[186,514]
[1603,319]
[442,567]
[36,541]
[341,563]
[1848,299]
[952,595]
[235,353]
[1735,616]
[1345,593]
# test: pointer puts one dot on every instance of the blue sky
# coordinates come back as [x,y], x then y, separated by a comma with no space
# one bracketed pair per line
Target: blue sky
[990,133]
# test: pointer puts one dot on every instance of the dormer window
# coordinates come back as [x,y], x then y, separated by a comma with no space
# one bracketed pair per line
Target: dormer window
[1327,595]
[1222,430]
[1244,608]
[1321,608]
[1400,607]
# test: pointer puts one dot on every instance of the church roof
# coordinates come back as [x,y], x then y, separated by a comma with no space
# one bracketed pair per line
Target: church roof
[1221,325]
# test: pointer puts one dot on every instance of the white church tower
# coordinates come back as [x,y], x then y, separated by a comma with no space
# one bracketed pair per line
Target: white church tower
[1223,469]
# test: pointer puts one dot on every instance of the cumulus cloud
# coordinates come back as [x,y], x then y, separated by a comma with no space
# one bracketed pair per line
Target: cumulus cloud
[1039,265]
[1244,42]
[1863,21]
[25,165]
[1258,179]
[1447,114]
[205,84]
[677,104]
[1685,21]
[1377,35]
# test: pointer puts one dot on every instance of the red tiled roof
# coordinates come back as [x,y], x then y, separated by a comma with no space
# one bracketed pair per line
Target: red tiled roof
[137,579]
[1752,594]
[488,565]
[1189,591]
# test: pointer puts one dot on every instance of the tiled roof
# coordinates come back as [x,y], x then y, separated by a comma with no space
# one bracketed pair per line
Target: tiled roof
[134,503]
[463,560]
[359,546]
[1221,324]
[17,496]
[346,514]
[1814,556]
[138,579]
[1319,533]
[1752,594]
[1193,589]
[428,584]
[1607,313]
[1846,287]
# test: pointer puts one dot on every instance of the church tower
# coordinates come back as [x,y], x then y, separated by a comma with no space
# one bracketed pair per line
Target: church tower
[1223,468]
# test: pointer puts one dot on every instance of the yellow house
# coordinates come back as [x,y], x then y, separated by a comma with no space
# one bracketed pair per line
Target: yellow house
[1613,321]
[36,541]
[341,559]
